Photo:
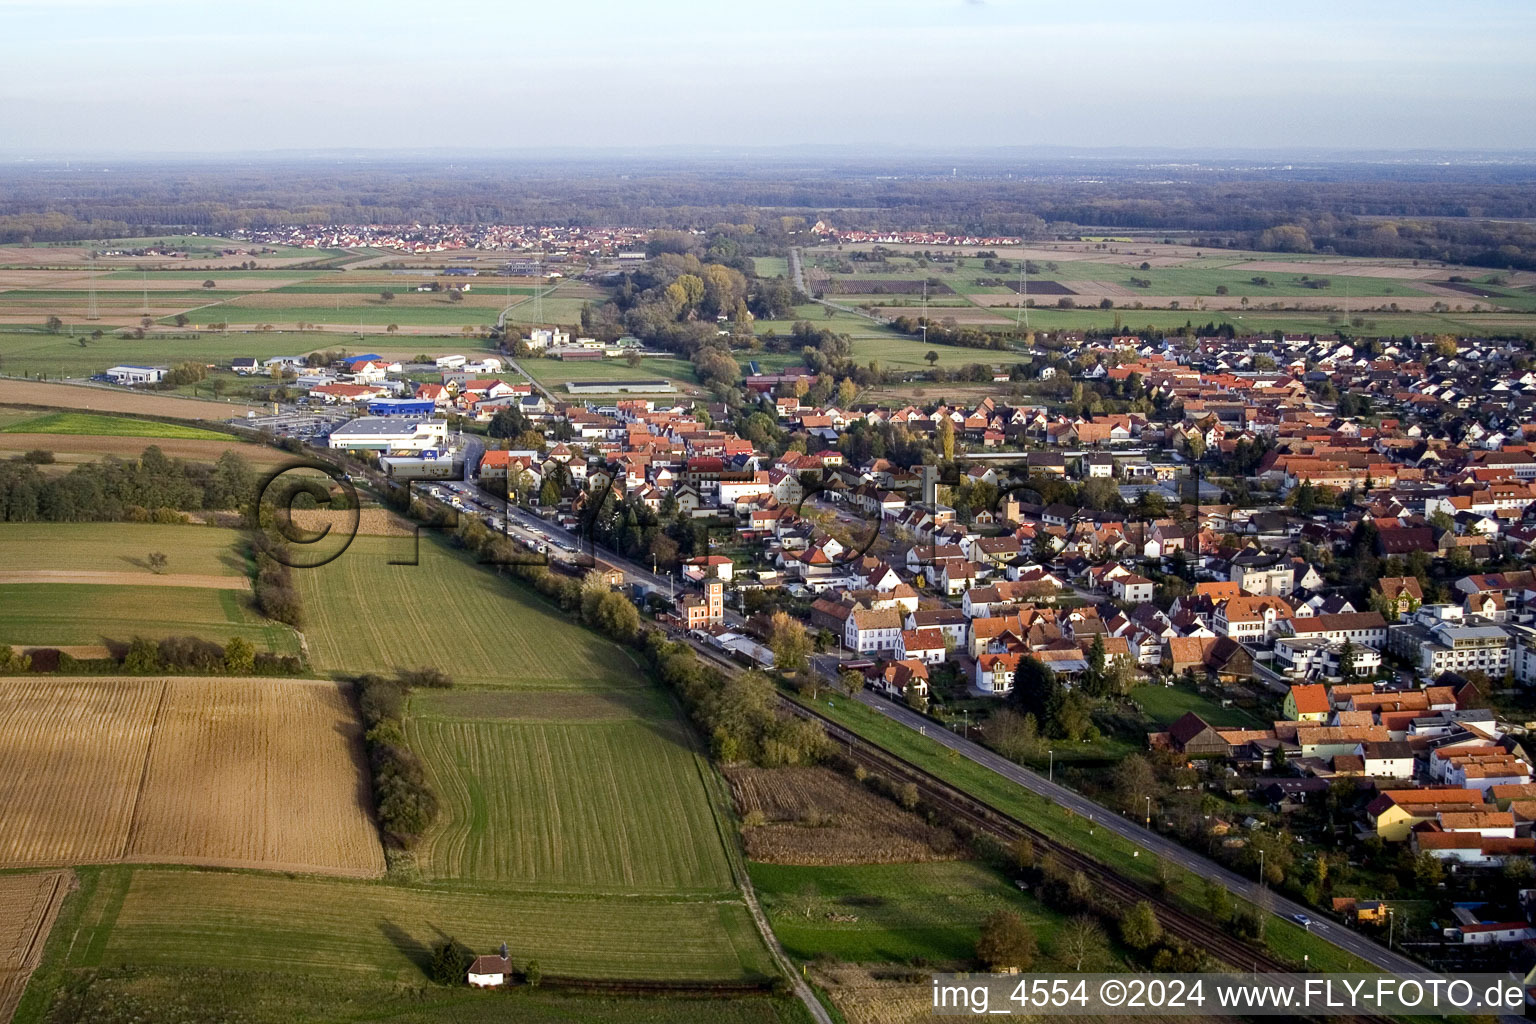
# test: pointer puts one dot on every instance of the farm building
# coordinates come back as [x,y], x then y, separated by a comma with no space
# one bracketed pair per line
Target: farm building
[137,374]
[489,971]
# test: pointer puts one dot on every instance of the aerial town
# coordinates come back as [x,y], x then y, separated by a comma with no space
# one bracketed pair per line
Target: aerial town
[823,514]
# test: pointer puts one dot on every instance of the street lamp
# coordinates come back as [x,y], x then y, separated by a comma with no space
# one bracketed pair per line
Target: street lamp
[1051,770]
[1149,812]
[967,713]
[1261,867]
[1391,926]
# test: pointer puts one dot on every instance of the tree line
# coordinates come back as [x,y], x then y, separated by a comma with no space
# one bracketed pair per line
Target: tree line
[113,489]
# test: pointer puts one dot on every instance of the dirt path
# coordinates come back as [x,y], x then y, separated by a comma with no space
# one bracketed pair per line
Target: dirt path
[138,579]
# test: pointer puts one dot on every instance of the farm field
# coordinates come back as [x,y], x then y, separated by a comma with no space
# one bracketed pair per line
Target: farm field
[365,615]
[1205,284]
[28,905]
[554,373]
[74,614]
[890,913]
[814,816]
[92,424]
[225,771]
[613,802]
[73,449]
[94,399]
[156,918]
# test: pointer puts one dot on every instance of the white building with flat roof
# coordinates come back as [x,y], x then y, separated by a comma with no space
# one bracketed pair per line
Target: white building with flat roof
[390,434]
[138,374]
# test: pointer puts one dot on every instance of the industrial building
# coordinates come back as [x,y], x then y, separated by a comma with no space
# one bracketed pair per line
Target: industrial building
[391,434]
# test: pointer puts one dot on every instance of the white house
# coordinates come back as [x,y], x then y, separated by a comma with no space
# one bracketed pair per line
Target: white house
[872,630]
[1132,588]
[995,673]
[489,971]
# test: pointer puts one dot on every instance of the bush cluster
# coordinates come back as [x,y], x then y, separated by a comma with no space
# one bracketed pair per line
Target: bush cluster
[404,802]
[276,596]
[193,654]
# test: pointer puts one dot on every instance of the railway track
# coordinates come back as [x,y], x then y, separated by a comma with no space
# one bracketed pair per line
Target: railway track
[962,808]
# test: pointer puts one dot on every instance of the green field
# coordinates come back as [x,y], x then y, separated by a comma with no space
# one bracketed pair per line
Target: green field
[175,944]
[1166,704]
[435,314]
[75,614]
[554,373]
[1056,822]
[899,912]
[120,547]
[366,615]
[110,426]
[612,802]
[28,353]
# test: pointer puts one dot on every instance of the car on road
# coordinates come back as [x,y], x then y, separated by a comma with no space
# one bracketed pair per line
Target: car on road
[1302,919]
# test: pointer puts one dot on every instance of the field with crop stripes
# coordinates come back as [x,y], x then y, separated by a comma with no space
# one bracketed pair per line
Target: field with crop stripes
[229,771]
[167,918]
[607,803]
[70,614]
[365,615]
[28,905]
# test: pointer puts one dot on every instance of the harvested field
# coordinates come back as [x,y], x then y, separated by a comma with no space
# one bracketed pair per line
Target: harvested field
[123,578]
[867,996]
[80,396]
[28,906]
[255,773]
[816,816]
[371,522]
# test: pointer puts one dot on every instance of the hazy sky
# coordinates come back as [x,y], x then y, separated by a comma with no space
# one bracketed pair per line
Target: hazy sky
[106,76]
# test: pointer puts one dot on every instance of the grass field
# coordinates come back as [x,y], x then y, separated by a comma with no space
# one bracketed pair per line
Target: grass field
[554,373]
[882,913]
[120,547]
[111,426]
[232,772]
[1166,704]
[607,803]
[246,922]
[1056,822]
[44,614]
[367,615]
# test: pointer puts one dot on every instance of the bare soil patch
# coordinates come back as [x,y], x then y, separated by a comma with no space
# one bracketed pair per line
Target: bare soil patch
[815,816]
[29,904]
[79,396]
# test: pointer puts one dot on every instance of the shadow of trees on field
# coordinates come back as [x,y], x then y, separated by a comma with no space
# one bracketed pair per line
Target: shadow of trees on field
[414,950]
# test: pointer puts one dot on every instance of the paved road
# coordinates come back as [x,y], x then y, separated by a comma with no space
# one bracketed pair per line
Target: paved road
[1344,938]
